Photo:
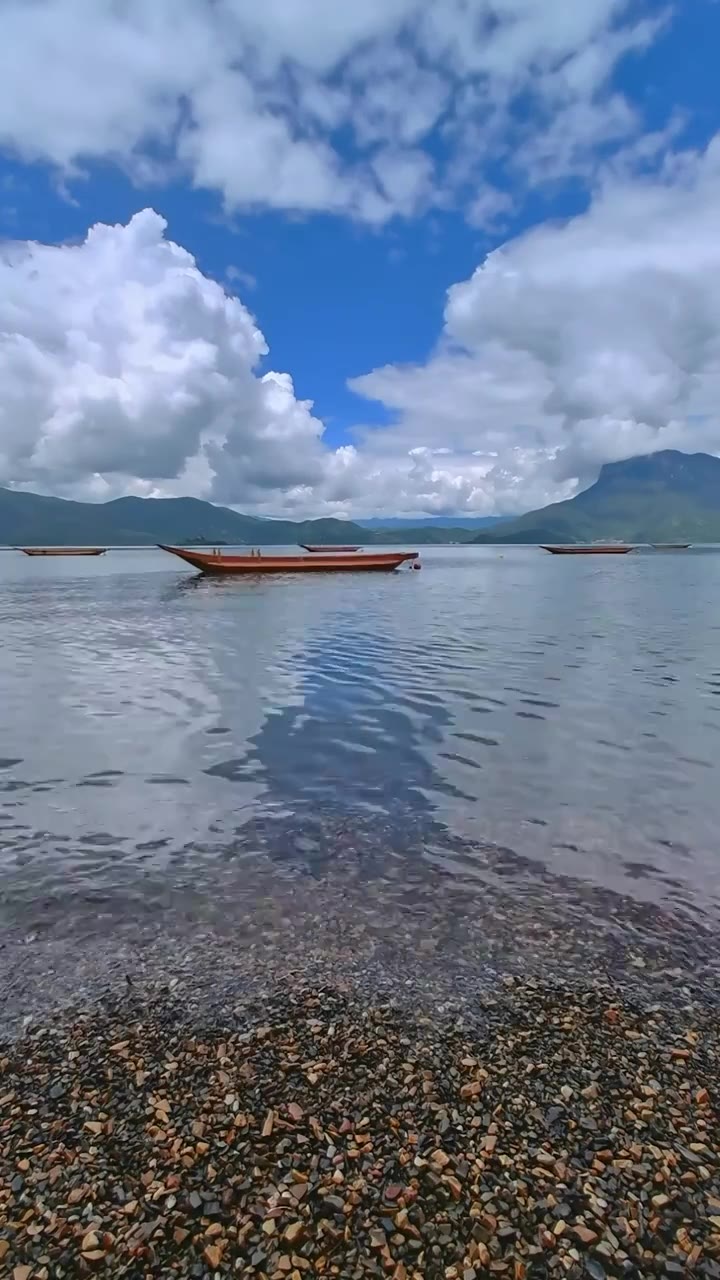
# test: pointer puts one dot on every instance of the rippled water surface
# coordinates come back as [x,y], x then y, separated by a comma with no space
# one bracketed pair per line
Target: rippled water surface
[502,718]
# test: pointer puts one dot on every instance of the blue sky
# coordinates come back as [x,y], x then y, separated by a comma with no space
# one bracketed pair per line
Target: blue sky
[355,278]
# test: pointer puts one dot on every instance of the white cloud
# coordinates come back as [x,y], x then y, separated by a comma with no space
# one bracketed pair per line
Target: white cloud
[247,99]
[124,369]
[490,210]
[575,344]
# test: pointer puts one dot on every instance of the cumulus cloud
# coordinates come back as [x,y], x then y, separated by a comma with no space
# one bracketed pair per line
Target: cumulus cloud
[250,100]
[124,369]
[578,343]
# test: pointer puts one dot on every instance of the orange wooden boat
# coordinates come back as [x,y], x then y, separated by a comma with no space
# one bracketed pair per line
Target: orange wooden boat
[325,550]
[215,563]
[597,549]
[63,551]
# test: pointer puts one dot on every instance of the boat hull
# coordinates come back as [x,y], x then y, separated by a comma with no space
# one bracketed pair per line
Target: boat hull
[671,546]
[63,551]
[335,563]
[588,551]
[325,550]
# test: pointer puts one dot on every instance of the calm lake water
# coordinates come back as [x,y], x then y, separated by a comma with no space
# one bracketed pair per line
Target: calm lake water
[502,717]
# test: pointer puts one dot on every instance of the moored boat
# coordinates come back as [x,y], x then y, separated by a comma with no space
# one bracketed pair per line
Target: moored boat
[311,546]
[595,549]
[63,551]
[256,562]
[671,546]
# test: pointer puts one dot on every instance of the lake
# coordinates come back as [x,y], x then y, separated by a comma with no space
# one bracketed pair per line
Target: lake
[530,740]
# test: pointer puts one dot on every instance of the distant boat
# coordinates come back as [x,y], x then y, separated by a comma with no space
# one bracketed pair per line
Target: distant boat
[215,563]
[671,546]
[311,546]
[595,549]
[63,551]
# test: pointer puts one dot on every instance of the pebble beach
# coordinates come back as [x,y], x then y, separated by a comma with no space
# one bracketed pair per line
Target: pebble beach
[562,1131]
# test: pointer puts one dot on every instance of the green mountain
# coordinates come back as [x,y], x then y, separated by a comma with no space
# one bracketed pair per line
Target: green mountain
[426,534]
[32,519]
[659,497]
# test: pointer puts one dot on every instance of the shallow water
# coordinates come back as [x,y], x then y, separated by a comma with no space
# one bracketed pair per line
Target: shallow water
[503,721]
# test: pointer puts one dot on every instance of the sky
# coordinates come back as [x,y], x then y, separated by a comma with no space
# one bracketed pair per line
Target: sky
[358,258]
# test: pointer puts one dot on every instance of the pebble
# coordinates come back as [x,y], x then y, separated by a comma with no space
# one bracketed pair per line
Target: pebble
[343,1138]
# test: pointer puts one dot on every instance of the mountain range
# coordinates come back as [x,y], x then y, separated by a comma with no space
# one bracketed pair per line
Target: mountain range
[659,497]
[436,522]
[33,519]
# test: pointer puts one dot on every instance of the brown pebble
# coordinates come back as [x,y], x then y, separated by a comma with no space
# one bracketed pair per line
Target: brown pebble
[293,1233]
[472,1090]
[584,1234]
[213,1255]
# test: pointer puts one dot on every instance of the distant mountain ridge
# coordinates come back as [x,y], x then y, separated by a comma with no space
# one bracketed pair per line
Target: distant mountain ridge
[659,497]
[437,522]
[34,519]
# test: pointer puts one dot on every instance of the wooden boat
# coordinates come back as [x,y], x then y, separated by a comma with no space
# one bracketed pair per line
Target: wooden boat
[215,563]
[671,546]
[596,549]
[63,551]
[311,546]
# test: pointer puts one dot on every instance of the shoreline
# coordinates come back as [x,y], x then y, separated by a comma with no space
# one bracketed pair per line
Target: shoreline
[285,1075]
[426,939]
[564,1131]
